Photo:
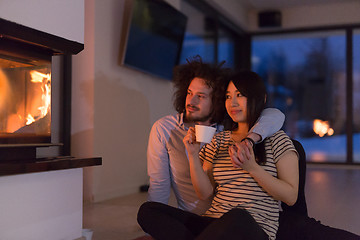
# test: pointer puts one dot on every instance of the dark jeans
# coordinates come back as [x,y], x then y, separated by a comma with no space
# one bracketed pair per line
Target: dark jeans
[294,226]
[164,222]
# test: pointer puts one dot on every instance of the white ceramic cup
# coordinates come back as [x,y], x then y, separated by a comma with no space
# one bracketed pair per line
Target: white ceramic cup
[204,133]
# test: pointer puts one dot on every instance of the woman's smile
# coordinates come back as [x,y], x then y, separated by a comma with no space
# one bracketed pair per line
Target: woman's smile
[234,111]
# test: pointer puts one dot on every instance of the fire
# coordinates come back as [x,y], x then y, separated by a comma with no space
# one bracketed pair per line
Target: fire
[322,128]
[29,119]
[38,77]
[4,91]
[45,79]
[25,98]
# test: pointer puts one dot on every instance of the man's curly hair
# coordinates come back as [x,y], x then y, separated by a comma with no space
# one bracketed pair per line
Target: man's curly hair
[215,77]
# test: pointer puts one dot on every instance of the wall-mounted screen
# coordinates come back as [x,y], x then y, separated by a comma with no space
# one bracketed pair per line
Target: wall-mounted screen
[155,37]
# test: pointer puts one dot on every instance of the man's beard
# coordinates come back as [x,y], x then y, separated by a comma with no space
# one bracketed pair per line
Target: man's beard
[190,118]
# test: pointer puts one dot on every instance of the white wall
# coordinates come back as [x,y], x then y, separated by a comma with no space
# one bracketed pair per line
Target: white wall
[314,16]
[113,106]
[235,10]
[82,110]
[60,18]
[46,205]
[41,206]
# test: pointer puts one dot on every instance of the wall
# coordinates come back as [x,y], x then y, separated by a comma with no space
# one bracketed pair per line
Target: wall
[61,18]
[314,16]
[113,106]
[46,205]
[235,10]
[41,206]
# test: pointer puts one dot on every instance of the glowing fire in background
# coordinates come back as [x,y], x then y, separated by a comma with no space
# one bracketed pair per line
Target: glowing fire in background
[45,80]
[322,128]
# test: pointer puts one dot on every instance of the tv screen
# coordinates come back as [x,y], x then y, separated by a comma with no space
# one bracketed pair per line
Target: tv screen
[155,37]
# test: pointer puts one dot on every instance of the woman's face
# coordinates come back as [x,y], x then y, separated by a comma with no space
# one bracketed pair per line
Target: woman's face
[236,104]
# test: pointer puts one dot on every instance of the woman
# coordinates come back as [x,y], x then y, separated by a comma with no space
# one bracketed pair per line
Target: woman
[246,186]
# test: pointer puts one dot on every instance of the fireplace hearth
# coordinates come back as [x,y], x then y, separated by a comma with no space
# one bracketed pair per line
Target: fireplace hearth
[26,85]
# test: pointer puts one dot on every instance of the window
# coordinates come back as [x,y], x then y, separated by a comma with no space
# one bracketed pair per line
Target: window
[206,35]
[305,74]
[199,37]
[226,47]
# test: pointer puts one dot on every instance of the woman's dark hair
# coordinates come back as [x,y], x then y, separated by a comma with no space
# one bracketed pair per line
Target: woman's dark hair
[253,88]
[214,76]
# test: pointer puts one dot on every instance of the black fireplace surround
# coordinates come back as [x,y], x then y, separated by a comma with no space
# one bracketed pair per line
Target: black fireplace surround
[18,154]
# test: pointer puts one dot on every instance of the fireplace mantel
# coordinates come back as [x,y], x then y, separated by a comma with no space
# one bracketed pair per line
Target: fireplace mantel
[46,164]
[22,36]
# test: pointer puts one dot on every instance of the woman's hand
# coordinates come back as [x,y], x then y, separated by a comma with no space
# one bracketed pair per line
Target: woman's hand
[201,174]
[242,156]
[190,143]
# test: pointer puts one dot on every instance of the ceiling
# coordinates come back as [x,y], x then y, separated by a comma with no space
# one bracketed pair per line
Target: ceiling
[280,4]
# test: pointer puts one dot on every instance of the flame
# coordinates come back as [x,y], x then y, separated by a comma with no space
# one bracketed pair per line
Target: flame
[38,77]
[322,128]
[4,91]
[29,119]
[34,105]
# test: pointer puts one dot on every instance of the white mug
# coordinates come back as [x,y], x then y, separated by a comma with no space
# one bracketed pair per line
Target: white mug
[204,133]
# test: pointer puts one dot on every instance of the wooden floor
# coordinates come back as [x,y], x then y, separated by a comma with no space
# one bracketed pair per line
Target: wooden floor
[333,196]
[332,193]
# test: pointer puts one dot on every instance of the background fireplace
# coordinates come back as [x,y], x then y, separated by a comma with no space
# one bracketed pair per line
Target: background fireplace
[35,92]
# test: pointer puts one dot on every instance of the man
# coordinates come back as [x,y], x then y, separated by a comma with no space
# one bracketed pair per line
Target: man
[199,99]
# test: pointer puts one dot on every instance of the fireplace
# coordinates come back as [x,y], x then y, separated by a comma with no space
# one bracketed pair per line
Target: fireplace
[25,100]
[26,86]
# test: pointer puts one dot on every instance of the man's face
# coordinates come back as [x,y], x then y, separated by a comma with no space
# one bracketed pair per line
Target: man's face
[198,102]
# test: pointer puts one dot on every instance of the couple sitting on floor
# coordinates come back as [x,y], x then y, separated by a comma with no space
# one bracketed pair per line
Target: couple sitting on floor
[231,187]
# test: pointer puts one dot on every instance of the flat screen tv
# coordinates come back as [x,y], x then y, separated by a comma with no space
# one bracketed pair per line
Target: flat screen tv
[155,36]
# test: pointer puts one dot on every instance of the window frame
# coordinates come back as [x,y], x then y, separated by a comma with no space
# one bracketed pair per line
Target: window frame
[349,30]
[241,37]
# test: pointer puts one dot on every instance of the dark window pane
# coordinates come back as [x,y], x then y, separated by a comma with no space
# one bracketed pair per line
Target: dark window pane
[226,47]
[305,77]
[200,35]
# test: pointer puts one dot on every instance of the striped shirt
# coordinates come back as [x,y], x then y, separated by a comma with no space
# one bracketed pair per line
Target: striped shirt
[237,189]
